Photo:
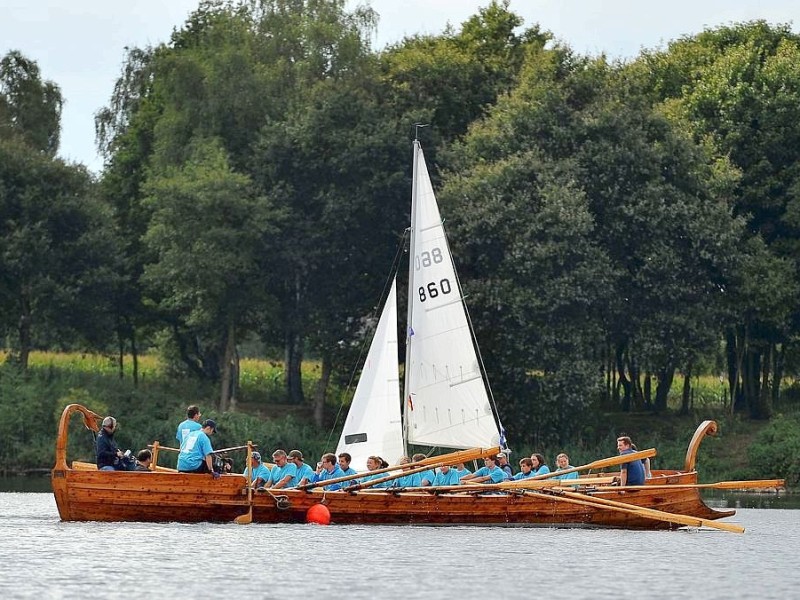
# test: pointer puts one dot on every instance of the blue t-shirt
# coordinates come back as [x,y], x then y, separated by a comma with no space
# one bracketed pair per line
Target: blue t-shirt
[463,472]
[384,484]
[261,471]
[325,475]
[635,470]
[573,475]
[522,475]
[349,471]
[542,470]
[195,447]
[496,474]
[185,428]
[279,473]
[449,478]
[413,480]
[428,476]
[304,471]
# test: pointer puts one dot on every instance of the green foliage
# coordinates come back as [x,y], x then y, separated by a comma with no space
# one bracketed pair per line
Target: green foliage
[30,109]
[776,451]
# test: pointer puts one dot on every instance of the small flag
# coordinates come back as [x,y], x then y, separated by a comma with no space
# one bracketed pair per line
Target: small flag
[410,331]
[503,441]
[410,403]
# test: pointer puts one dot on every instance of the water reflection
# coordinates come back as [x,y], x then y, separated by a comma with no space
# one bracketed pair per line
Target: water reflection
[26,483]
[726,499]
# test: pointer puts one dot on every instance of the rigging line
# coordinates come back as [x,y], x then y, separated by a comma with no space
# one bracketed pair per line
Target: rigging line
[367,339]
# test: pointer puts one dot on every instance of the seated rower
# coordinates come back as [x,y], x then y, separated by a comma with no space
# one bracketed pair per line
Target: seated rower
[446,476]
[562,462]
[462,470]
[373,464]
[425,477]
[344,464]
[489,473]
[284,473]
[539,465]
[633,472]
[260,471]
[305,474]
[330,470]
[411,480]
[526,469]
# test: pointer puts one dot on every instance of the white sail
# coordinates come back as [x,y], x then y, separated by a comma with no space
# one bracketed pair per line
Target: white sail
[446,402]
[373,425]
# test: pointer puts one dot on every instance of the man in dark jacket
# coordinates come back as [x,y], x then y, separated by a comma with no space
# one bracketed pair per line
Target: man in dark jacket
[108,454]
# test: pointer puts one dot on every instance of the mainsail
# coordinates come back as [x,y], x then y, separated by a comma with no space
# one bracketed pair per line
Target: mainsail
[446,400]
[373,425]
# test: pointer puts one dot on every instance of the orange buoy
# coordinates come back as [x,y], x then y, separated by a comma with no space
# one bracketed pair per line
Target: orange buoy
[318,514]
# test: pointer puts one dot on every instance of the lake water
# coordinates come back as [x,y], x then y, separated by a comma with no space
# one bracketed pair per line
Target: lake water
[44,558]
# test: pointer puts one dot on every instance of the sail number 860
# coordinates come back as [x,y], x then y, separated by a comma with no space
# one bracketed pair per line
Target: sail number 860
[432,290]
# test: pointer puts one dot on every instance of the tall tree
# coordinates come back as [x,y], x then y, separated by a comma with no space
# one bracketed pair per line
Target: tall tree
[737,89]
[210,233]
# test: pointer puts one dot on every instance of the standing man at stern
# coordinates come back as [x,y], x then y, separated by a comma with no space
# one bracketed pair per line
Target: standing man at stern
[196,451]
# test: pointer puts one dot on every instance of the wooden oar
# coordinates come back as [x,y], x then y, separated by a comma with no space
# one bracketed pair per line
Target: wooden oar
[646,513]
[471,488]
[445,459]
[720,485]
[247,517]
[602,463]
[457,457]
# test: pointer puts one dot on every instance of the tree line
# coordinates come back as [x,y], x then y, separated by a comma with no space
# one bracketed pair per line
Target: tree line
[617,224]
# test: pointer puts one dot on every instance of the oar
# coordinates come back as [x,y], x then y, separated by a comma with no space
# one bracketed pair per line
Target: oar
[647,513]
[720,485]
[457,457]
[452,460]
[247,517]
[602,463]
[469,487]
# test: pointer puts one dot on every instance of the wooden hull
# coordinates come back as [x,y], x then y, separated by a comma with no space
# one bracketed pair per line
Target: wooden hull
[84,494]
[165,497]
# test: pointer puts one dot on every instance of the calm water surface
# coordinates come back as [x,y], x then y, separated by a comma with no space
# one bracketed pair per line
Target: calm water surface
[45,558]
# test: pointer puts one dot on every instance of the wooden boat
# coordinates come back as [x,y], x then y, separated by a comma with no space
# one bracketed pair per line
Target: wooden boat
[448,404]
[83,493]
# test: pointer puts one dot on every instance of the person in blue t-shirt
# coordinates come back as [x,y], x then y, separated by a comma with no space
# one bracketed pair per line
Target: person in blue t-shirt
[502,462]
[344,464]
[526,469]
[260,471]
[329,469]
[305,474]
[631,473]
[462,470]
[425,477]
[489,473]
[410,480]
[192,423]
[284,473]
[446,476]
[539,465]
[373,464]
[196,451]
[562,462]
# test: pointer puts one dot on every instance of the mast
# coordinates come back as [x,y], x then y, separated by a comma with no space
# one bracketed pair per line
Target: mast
[409,333]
